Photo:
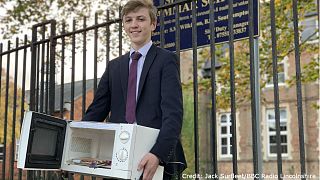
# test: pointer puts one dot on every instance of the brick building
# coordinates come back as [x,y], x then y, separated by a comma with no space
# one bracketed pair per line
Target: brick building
[288,126]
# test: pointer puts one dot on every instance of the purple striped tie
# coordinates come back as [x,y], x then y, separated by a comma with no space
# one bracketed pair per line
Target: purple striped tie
[132,86]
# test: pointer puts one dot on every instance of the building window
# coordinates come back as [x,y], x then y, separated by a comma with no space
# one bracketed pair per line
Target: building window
[17,149]
[281,73]
[1,151]
[271,123]
[225,135]
[309,32]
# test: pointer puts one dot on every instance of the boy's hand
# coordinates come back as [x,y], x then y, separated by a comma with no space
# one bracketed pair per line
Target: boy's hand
[149,165]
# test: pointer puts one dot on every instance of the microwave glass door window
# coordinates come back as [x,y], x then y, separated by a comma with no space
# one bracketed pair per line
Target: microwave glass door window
[44,142]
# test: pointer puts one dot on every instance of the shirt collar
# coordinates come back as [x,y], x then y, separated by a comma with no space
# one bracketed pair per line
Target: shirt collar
[143,50]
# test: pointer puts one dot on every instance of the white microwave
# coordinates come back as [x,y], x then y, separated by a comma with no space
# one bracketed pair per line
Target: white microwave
[94,148]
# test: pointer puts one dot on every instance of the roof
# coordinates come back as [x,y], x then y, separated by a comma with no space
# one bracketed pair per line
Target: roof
[67,92]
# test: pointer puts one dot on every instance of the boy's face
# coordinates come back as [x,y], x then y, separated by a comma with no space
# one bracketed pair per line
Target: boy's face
[138,26]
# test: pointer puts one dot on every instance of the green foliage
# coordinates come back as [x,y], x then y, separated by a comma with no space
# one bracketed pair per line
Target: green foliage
[187,136]
[285,39]
[285,47]
[310,73]
[22,15]
[10,108]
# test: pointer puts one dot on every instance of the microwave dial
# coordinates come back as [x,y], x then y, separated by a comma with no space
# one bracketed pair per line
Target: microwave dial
[122,155]
[124,137]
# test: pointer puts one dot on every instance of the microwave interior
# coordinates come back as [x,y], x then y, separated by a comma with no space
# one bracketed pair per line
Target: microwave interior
[46,141]
[89,147]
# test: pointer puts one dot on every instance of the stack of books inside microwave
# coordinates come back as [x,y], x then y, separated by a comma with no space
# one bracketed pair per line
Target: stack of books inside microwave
[93,148]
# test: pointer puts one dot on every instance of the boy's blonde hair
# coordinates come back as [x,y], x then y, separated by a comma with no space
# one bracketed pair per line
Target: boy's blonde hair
[134,5]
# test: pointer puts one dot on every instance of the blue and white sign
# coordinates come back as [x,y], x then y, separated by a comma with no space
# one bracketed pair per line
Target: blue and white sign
[240,18]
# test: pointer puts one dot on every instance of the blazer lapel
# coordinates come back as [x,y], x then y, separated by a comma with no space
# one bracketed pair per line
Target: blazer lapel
[146,66]
[124,73]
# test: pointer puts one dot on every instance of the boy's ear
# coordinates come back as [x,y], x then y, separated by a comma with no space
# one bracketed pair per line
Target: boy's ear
[154,25]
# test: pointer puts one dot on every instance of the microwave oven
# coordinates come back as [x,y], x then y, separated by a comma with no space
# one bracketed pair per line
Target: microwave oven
[93,148]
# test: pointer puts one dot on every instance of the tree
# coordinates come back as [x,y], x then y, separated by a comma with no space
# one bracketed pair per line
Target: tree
[10,107]
[21,15]
[285,47]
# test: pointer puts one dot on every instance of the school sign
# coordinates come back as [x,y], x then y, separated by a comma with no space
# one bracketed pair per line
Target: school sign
[240,18]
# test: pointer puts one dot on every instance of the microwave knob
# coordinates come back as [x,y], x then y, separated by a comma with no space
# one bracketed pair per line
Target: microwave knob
[122,155]
[124,137]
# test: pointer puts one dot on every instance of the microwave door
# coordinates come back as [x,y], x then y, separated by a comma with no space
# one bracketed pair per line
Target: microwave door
[43,139]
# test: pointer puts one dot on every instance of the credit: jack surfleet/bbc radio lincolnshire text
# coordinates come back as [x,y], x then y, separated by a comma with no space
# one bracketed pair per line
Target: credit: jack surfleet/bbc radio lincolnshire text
[245,176]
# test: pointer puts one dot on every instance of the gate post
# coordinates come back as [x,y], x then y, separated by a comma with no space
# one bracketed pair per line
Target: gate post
[52,66]
[33,68]
[30,174]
